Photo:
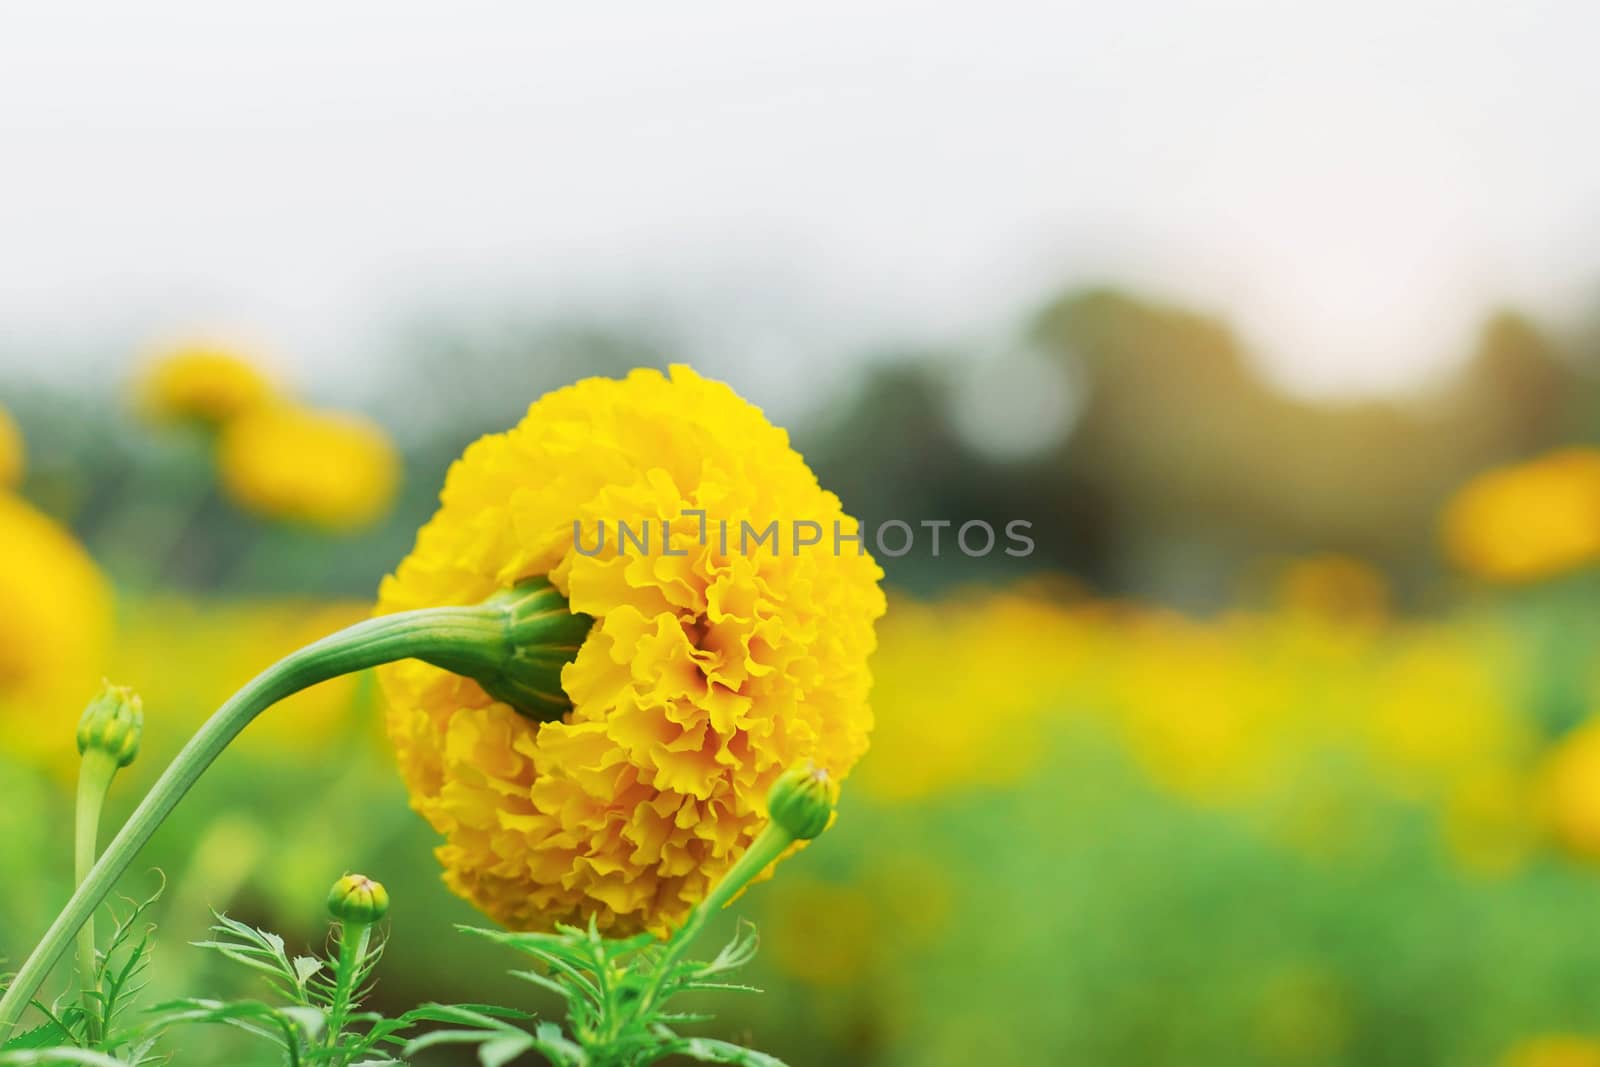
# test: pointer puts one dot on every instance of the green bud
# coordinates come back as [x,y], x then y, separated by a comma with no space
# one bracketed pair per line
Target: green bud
[514,645]
[112,723]
[355,898]
[801,801]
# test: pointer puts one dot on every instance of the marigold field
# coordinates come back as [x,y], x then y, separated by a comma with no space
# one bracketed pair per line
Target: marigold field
[1329,796]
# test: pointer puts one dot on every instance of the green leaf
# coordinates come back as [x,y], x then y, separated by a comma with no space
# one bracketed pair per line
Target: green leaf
[51,1033]
[710,1050]
[305,967]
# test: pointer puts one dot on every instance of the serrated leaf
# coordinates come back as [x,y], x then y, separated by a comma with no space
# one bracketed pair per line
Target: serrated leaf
[51,1033]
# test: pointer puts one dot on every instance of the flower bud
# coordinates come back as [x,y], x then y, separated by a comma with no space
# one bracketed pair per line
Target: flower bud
[355,898]
[514,647]
[112,723]
[801,802]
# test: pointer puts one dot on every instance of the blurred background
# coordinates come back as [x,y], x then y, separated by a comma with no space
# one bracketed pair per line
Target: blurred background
[1280,325]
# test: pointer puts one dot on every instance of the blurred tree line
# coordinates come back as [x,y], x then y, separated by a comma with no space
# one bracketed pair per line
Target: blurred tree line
[1177,467]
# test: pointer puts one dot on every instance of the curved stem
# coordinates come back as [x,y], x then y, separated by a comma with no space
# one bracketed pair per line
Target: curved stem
[769,844]
[428,633]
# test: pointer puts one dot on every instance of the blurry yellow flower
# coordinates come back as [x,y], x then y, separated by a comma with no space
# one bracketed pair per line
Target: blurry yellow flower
[705,675]
[1201,714]
[55,619]
[1557,1050]
[1439,711]
[1529,521]
[329,469]
[12,452]
[203,384]
[961,689]
[1569,791]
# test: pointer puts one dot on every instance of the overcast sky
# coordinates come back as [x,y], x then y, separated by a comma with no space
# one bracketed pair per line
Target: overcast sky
[1352,183]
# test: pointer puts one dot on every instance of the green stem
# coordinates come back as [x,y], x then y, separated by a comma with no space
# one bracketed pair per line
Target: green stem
[352,952]
[95,772]
[769,844]
[432,634]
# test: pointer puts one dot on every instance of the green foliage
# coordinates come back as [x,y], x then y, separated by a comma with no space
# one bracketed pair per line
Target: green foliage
[66,1036]
[314,1017]
[617,995]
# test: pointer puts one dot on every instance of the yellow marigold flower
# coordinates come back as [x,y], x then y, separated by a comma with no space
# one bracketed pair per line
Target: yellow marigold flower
[329,469]
[55,620]
[1529,521]
[12,452]
[205,384]
[1555,1050]
[704,676]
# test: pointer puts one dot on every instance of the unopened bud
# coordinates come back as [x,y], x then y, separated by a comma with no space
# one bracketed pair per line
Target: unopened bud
[355,898]
[514,645]
[112,723]
[801,802]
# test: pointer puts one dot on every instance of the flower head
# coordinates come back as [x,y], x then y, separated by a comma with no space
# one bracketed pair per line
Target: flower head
[112,723]
[706,673]
[12,452]
[54,629]
[204,384]
[1530,521]
[355,898]
[329,469]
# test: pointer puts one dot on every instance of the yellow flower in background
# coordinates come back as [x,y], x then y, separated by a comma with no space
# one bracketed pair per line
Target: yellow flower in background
[962,686]
[1555,1050]
[1530,521]
[704,676]
[1439,710]
[205,384]
[330,469]
[12,452]
[55,621]
[1199,713]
